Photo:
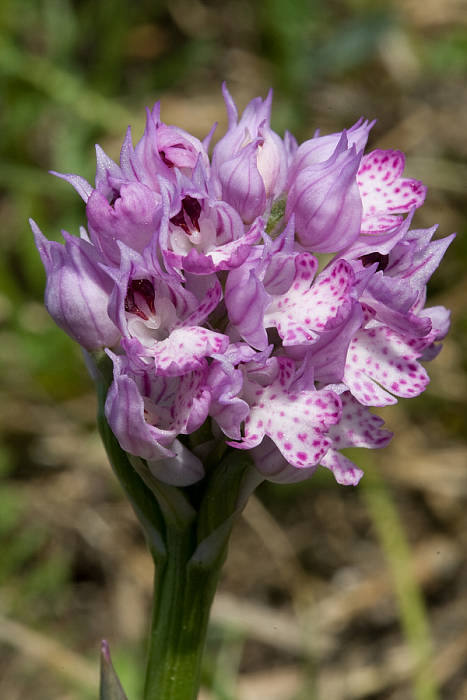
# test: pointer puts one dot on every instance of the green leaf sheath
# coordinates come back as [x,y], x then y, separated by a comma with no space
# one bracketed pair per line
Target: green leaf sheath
[187,531]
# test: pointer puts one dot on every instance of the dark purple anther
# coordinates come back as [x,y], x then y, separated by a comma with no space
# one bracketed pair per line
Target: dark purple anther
[144,288]
[179,220]
[131,307]
[193,209]
[375,257]
[115,196]
[168,162]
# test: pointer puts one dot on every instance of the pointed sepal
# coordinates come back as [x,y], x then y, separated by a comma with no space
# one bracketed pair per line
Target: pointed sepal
[111,688]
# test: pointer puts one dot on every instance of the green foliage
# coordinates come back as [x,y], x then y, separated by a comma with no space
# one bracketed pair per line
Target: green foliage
[128,662]
[447,53]
[27,548]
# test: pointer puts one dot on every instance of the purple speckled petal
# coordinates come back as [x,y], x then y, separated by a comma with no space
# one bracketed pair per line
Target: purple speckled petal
[185,349]
[296,422]
[358,427]
[307,309]
[345,471]
[146,413]
[379,361]
[384,192]
[378,223]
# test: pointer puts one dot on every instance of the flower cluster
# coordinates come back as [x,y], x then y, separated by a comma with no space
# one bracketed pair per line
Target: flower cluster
[199,276]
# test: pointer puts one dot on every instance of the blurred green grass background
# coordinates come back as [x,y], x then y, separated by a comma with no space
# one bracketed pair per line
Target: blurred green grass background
[307,602]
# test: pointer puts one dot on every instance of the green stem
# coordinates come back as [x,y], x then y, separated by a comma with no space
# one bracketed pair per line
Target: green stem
[186,580]
[188,533]
[182,601]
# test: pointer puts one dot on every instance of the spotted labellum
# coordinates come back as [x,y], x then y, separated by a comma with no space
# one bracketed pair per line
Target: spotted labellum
[197,275]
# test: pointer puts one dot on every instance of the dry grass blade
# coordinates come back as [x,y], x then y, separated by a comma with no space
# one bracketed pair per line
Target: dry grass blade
[276,542]
[260,622]
[274,684]
[433,560]
[50,653]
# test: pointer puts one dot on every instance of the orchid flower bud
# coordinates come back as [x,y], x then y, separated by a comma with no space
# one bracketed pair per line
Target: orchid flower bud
[250,161]
[242,184]
[131,217]
[320,148]
[77,291]
[326,201]
[163,149]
